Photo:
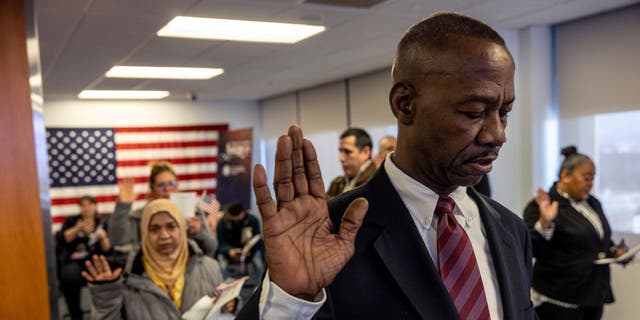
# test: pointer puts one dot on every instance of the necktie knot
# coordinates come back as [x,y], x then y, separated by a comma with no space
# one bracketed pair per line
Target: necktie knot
[445,205]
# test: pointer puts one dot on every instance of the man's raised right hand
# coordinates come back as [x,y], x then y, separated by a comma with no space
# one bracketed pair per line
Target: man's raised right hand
[302,253]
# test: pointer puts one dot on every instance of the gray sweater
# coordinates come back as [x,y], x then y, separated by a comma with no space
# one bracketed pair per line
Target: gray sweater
[135,296]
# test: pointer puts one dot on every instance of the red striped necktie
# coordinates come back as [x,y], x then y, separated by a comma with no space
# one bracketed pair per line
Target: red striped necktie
[458,265]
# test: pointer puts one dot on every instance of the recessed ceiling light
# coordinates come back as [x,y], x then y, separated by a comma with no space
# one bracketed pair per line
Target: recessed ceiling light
[237,30]
[162,72]
[123,94]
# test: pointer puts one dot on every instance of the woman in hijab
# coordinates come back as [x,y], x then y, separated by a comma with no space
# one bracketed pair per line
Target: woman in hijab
[124,223]
[163,279]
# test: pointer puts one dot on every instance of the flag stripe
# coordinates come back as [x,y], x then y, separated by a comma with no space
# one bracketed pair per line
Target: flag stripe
[158,145]
[222,127]
[174,161]
[137,137]
[71,204]
[140,188]
[166,153]
[184,169]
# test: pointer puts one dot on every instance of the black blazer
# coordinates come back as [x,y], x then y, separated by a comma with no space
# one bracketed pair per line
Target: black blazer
[392,276]
[564,268]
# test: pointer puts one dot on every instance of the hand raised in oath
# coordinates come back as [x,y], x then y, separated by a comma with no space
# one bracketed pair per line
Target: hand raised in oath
[302,253]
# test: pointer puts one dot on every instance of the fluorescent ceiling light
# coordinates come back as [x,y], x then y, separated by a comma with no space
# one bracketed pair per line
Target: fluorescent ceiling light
[162,72]
[237,30]
[122,94]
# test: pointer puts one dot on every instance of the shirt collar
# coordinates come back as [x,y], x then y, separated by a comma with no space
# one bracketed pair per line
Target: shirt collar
[363,167]
[420,200]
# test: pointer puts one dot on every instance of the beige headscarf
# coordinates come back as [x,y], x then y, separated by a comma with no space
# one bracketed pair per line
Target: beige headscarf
[167,272]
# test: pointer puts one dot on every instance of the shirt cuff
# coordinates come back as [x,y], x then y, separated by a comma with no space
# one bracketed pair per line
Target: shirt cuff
[546,233]
[276,304]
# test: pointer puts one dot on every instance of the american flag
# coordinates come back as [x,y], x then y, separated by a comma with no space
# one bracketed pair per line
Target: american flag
[91,161]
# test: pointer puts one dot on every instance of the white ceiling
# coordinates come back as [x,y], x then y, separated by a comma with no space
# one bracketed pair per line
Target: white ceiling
[81,39]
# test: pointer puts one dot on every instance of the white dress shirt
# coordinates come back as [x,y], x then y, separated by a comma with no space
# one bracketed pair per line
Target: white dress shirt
[421,203]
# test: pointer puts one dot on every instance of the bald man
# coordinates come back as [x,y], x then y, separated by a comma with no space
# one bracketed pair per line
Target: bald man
[416,241]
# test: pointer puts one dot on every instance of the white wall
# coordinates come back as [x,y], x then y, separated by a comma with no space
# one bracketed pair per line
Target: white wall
[80,113]
[599,72]
[277,115]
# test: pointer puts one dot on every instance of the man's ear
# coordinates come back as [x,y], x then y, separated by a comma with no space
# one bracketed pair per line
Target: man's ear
[401,100]
[367,151]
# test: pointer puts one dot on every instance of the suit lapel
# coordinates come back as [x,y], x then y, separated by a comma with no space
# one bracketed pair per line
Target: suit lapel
[403,252]
[501,244]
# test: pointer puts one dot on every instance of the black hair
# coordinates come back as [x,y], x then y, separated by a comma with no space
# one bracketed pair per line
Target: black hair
[87,198]
[235,208]
[436,33]
[362,137]
[572,159]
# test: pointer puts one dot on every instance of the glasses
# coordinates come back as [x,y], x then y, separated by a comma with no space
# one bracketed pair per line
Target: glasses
[165,185]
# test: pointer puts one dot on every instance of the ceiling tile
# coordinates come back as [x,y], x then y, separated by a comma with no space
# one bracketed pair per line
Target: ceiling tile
[160,51]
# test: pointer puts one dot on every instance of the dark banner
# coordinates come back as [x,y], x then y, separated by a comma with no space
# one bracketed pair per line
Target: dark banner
[234,167]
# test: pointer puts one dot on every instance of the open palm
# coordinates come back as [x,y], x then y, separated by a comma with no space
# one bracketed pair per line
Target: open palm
[302,253]
[548,209]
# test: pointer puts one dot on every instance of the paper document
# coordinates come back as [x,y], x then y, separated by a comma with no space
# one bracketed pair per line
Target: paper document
[199,309]
[208,308]
[251,243]
[632,252]
[186,201]
[231,291]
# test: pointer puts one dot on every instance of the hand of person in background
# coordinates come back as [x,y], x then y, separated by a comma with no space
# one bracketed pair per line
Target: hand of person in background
[548,210]
[620,249]
[126,193]
[100,234]
[303,255]
[194,224]
[235,254]
[86,225]
[99,270]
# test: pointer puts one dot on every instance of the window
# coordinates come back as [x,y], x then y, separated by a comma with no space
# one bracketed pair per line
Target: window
[618,168]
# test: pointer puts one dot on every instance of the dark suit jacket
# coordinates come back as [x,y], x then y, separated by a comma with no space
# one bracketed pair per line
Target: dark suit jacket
[564,268]
[392,276]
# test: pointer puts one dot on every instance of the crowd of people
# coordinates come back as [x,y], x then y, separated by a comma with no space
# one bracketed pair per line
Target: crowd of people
[410,232]
[152,262]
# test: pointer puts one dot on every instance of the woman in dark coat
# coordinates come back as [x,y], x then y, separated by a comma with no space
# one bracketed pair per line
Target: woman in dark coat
[569,232]
[80,237]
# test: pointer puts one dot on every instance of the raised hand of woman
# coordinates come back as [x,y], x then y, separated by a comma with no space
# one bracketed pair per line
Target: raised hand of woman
[548,209]
[99,270]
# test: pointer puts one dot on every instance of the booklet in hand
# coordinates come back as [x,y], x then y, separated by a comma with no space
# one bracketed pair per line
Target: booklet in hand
[229,292]
[208,308]
[629,254]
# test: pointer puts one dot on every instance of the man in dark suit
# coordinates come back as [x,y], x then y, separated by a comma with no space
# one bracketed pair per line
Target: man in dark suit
[430,246]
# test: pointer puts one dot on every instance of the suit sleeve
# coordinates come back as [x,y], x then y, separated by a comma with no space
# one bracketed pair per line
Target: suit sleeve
[528,262]
[539,243]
